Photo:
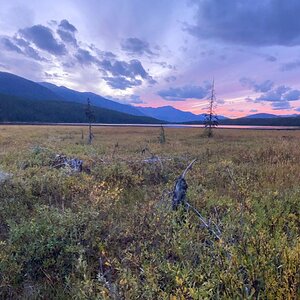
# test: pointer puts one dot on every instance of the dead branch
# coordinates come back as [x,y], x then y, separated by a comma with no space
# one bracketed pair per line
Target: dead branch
[203,221]
[153,159]
[61,161]
[180,188]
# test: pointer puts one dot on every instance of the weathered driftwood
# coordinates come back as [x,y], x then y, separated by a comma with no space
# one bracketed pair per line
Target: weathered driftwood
[62,161]
[179,198]
[153,159]
[180,188]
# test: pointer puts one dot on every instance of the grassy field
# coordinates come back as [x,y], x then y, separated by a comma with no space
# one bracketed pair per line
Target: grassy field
[110,233]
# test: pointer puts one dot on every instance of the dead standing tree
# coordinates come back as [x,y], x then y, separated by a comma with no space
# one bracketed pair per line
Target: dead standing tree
[91,118]
[162,136]
[211,119]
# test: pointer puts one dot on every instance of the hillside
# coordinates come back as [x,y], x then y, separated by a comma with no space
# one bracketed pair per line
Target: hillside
[172,114]
[17,109]
[14,85]
[81,97]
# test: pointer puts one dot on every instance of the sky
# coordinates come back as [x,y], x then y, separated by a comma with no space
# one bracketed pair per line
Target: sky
[160,52]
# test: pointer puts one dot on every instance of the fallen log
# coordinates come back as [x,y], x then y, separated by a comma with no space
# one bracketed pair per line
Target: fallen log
[62,161]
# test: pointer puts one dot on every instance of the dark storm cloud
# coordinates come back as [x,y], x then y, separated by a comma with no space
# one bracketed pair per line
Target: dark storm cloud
[281,105]
[22,47]
[105,55]
[9,45]
[281,93]
[185,92]
[44,39]
[121,83]
[124,74]
[129,69]
[85,57]
[30,52]
[248,22]
[136,46]
[65,25]
[67,37]
[67,31]
[263,87]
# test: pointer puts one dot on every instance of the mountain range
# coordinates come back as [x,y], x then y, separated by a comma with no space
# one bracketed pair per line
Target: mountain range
[23,100]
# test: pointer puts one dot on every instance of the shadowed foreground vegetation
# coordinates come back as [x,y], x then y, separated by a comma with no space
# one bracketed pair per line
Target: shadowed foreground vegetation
[107,233]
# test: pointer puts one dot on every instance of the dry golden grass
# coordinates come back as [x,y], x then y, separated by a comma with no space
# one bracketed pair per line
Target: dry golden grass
[55,227]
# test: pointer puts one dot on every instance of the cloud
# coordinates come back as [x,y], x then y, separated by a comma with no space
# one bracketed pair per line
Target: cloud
[220,101]
[290,66]
[135,99]
[263,87]
[42,37]
[67,31]
[117,74]
[65,25]
[185,92]
[22,47]
[30,52]
[292,95]
[129,69]
[165,65]
[274,95]
[281,105]
[135,46]
[121,83]
[280,93]
[124,74]
[248,22]
[84,57]
[270,58]
[170,78]
[50,76]
[9,45]
[253,110]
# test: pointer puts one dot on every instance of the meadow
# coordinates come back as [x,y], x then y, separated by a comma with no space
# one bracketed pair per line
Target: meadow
[109,232]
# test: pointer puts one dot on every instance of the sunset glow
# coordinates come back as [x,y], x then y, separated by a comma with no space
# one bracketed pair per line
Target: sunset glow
[158,53]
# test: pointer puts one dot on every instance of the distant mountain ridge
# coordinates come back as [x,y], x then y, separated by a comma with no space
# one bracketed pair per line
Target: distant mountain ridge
[14,85]
[269,116]
[261,116]
[171,114]
[99,101]
[22,91]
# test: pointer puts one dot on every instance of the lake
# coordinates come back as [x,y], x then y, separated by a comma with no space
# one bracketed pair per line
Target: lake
[253,127]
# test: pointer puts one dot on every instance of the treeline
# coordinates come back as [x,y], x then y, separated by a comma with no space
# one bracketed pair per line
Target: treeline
[279,121]
[17,109]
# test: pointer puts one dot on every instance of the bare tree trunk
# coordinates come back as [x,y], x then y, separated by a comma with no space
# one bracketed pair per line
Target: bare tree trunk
[90,139]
